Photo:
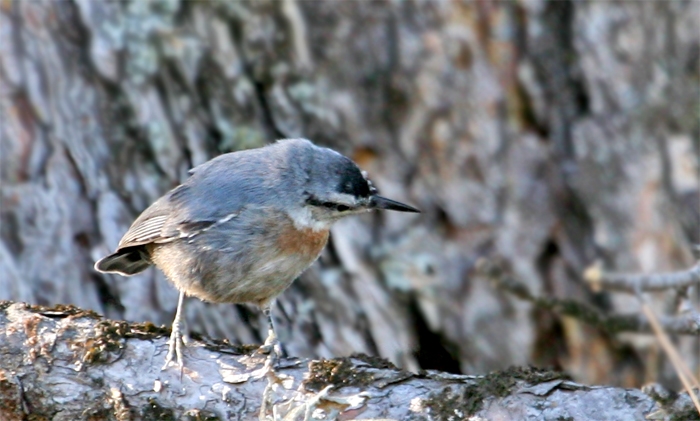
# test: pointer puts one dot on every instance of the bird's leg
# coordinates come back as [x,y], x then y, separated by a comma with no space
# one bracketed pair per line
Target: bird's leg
[273,348]
[178,337]
[272,345]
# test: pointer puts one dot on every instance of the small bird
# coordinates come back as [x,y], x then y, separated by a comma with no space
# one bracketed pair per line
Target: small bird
[244,225]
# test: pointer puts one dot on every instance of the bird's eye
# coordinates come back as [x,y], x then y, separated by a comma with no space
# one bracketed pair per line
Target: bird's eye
[331,205]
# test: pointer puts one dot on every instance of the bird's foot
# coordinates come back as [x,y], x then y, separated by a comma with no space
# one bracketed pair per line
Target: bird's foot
[178,339]
[273,349]
[271,363]
[272,346]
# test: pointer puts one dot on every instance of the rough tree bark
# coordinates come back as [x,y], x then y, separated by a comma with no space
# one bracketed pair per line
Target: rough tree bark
[547,134]
[68,364]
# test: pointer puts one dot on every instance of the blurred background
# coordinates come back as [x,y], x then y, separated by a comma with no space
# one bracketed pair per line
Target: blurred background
[543,136]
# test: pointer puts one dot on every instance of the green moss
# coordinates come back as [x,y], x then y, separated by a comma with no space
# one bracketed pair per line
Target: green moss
[146,330]
[375,362]
[98,414]
[10,396]
[245,349]
[73,311]
[110,338]
[342,372]
[666,401]
[689,414]
[339,372]
[57,311]
[449,403]
[154,412]
[224,345]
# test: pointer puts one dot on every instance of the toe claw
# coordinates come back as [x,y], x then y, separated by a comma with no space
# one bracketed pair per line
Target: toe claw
[175,346]
[265,349]
[273,350]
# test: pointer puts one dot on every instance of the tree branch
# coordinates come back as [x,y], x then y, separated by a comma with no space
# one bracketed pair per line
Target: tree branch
[686,323]
[632,283]
[74,363]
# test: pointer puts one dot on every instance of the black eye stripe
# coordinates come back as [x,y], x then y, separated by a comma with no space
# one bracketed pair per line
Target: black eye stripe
[337,206]
[313,201]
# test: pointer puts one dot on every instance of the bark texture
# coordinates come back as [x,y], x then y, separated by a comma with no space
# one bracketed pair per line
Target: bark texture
[67,364]
[548,135]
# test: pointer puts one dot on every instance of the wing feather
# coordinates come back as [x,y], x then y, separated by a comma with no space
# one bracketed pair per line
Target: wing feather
[215,193]
[155,230]
[144,231]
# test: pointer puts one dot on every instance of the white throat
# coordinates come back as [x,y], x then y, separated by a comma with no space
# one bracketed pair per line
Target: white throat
[304,219]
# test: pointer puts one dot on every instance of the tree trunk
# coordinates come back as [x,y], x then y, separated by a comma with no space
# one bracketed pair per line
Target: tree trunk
[548,135]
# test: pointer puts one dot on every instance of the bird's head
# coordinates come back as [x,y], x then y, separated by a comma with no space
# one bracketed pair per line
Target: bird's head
[336,188]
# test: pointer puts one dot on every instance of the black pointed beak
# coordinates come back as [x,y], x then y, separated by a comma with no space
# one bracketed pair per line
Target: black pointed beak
[379,202]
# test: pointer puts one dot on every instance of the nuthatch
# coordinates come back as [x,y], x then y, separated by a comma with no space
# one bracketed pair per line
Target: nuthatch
[244,225]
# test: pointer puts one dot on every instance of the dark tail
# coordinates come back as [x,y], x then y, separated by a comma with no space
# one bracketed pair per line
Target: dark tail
[127,261]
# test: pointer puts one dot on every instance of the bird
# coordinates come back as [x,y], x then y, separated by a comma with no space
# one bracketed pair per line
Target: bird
[244,225]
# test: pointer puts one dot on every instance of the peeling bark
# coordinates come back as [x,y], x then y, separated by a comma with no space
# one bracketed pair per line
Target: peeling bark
[70,364]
